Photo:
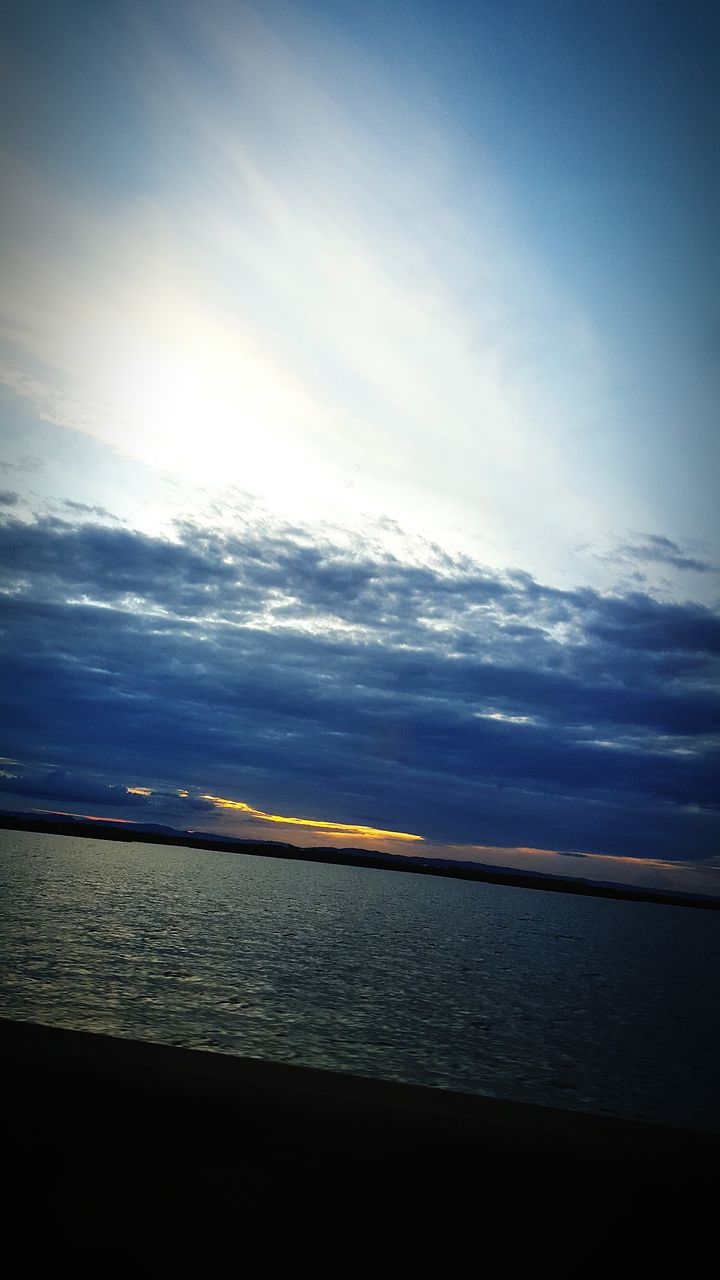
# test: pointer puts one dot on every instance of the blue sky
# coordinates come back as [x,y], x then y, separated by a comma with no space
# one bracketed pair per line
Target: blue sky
[359,461]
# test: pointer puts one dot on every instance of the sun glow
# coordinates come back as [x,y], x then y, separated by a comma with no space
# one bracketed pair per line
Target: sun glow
[323,828]
[268,316]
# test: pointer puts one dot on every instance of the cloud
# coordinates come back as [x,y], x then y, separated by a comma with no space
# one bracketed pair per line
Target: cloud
[342,830]
[58,784]
[346,685]
[636,621]
[82,508]
[658,549]
[26,464]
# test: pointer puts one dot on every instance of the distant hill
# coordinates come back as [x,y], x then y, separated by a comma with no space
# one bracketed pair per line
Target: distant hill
[154,833]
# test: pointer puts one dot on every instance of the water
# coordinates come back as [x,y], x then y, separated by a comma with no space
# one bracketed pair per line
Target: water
[584,1003]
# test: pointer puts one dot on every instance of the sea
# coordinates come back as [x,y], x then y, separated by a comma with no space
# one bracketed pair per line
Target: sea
[595,1005]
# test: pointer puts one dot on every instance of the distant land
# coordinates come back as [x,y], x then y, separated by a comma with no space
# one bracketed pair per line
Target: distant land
[152,833]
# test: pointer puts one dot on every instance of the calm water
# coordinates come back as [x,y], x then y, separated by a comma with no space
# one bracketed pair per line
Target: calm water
[576,1002]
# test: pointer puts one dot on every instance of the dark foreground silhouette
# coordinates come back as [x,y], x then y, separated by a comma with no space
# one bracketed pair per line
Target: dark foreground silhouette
[139,1159]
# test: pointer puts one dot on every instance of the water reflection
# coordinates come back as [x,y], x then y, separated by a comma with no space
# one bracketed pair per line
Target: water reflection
[579,1002]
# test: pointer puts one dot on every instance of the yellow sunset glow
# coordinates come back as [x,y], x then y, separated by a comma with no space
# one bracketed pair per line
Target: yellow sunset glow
[326,828]
[139,791]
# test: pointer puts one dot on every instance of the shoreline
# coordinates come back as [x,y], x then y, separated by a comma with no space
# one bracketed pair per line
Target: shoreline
[142,1158]
[106,829]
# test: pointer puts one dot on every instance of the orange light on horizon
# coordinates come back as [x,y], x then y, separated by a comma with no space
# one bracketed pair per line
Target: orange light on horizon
[638,861]
[87,817]
[324,828]
[139,791]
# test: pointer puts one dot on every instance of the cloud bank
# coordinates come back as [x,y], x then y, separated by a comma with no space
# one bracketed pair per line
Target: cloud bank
[340,683]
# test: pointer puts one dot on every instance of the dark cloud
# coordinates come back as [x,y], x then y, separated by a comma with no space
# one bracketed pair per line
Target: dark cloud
[661,550]
[82,508]
[337,683]
[58,784]
[8,498]
[637,622]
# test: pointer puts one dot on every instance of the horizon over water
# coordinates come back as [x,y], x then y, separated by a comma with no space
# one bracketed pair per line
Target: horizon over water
[586,1003]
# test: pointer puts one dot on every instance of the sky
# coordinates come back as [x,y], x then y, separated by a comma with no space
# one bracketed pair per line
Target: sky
[359,451]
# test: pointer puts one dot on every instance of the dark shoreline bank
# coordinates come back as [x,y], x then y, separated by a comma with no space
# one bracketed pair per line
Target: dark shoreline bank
[105,830]
[126,1153]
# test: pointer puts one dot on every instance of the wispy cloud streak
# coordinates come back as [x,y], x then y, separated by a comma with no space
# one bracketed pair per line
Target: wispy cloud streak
[339,829]
[295,301]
